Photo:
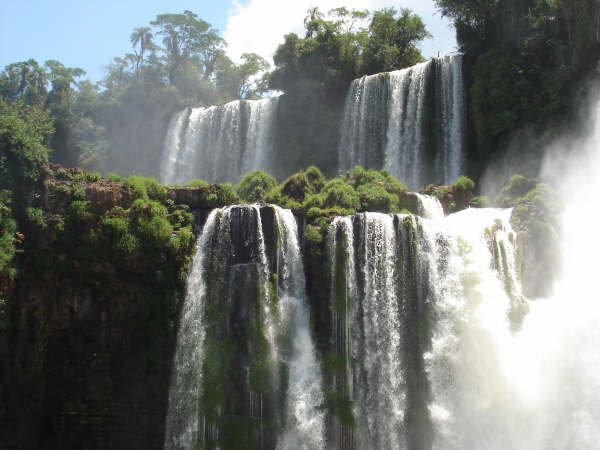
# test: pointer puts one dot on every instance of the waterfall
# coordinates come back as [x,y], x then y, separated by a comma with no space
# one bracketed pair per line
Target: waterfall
[244,345]
[419,310]
[429,207]
[304,428]
[452,117]
[219,143]
[431,343]
[184,393]
[437,348]
[538,386]
[377,289]
[475,292]
[410,122]
[404,151]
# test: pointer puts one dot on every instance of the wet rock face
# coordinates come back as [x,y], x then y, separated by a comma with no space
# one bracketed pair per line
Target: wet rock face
[86,367]
[535,218]
[86,358]
[539,257]
[192,196]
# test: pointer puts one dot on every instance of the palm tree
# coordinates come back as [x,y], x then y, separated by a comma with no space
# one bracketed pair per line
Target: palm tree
[143,37]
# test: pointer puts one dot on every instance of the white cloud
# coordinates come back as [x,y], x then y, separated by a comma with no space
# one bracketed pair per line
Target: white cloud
[259,25]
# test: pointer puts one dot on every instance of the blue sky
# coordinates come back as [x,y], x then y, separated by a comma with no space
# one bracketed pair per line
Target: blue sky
[88,34]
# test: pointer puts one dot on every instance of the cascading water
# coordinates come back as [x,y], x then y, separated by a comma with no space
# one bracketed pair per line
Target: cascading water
[219,143]
[429,207]
[245,372]
[404,151]
[423,314]
[410,122]
[377,290]
[182,426]
[496,370]
[304,427]
[432,344]
[538,386]
[452,117]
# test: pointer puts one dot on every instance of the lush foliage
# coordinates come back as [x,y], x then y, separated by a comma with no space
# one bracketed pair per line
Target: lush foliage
[7,231]
[526,58]
[535,218]
[179,60]
[104,125]
[254,185]
[318,199]
[456,196]
[338,47]
[214,195]
[23,132]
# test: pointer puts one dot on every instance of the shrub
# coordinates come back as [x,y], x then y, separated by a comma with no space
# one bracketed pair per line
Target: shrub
[181,240]
[254,186]
[518,186]
[154,231]
[294,190]
[376,198]
[313,235]
[147,188]
[115,177]
[8,227]
[143,208]
[36,216]
[338,193]
[114,226]
[226,195]
[197,183]
[359,177]
[464,184]
[83,176]
[78,210]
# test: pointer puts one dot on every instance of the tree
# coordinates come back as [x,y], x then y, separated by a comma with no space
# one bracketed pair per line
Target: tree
[337,48]
[392,41]
[327,57]
[26,81]
[24,133]
[143,37]
[525,59]
[188,38]
[60,104]
[241,81]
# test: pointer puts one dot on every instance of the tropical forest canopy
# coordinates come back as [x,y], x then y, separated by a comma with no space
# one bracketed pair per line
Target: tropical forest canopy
[523,61]
[180,60]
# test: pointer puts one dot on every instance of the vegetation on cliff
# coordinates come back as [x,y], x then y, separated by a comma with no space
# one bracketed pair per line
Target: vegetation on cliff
[525,61]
